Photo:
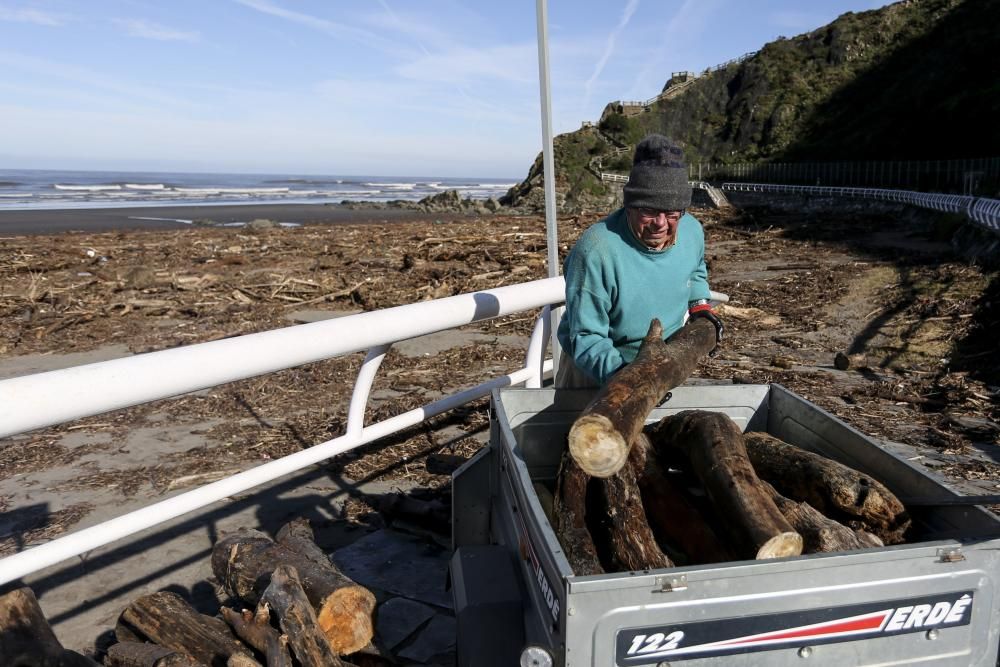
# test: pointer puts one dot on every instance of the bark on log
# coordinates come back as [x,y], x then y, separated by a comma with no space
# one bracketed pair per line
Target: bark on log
[673,517]
[631,542]
[254,627]
[569,508]
[298,621]
[837,491]
[137,654]
[714,445]
[243,563]
[298,536]
[821,534]
[27,639]
[600,438]
[168,620]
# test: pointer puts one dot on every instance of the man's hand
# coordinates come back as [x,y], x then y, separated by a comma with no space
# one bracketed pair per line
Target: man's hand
[703,309]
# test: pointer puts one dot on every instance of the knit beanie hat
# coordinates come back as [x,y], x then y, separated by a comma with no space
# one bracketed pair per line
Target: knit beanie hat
[659,176]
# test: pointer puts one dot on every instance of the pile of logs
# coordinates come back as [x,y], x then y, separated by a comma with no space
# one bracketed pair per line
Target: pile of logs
[695,489]
[300,610]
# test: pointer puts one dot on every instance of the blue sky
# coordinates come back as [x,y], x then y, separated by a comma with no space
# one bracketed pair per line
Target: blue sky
[375,87]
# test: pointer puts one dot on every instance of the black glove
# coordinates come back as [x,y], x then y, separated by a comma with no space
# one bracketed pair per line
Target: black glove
[704,309]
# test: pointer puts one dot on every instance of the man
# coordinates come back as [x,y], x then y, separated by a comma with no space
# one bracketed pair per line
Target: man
[645,260]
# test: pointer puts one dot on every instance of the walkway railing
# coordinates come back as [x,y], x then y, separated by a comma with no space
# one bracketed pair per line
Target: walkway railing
[984,212]
[54,397]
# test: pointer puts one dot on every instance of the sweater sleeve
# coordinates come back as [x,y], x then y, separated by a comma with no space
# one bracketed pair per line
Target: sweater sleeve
[699,277]
[587,319]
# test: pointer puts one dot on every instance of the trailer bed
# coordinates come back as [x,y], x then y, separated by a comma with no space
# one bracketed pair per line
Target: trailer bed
[931,601]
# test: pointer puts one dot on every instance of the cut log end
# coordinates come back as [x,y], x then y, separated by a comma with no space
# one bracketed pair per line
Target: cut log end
[781,545]
[346,619]
[597,446]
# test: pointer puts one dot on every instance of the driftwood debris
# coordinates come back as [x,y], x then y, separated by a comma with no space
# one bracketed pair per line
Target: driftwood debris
[714,445]
[600,438]
[243,563]
[631,541]
[141,654]
[821,534]
[839,492]
[254,627]
[673,516]
[168,620]
[298,621]
[26,638]
[569,508]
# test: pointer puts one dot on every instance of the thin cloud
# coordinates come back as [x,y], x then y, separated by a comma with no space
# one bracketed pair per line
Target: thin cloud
[149,30]
[609,48]
[91,80]
[333,28]
[35,16]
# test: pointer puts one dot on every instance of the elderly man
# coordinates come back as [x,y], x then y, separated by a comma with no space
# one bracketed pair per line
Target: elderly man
[645,260]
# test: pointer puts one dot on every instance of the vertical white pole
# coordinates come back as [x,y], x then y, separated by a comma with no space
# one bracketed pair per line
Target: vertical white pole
[548,164]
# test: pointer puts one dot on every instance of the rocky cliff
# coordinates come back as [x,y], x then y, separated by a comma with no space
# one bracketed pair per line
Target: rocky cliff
[912,80]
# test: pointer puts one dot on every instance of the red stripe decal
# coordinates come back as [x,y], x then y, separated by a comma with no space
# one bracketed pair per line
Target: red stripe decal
[871,622]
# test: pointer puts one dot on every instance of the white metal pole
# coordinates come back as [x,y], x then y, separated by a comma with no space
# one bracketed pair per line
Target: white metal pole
[548,163]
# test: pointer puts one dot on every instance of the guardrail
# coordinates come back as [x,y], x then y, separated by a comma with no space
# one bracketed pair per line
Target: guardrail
[984,212]
[44,399]
[54,397]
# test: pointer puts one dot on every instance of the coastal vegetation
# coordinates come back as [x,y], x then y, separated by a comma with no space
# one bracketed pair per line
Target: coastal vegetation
[912,80]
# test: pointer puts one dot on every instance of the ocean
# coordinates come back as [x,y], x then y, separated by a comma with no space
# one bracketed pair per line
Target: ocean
[49,189]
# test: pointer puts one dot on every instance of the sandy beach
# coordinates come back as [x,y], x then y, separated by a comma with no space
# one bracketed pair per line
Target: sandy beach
[39,221]
[803,287]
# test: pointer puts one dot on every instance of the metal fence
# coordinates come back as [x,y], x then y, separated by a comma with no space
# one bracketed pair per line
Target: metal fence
[972,176]
[985,212]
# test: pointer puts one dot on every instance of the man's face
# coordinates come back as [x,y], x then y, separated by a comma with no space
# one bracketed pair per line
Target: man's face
[657,229]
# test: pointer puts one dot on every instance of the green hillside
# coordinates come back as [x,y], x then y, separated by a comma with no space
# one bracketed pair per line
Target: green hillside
[912,80]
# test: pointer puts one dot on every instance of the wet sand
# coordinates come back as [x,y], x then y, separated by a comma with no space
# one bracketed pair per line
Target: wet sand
[35,221]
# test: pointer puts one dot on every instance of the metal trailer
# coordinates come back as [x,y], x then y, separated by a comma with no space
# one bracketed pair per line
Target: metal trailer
[518,602]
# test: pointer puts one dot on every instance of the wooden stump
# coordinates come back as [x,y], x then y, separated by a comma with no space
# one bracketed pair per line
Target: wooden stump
[600,438]
[837,491]
[298,621]
[569,509]
[27,639]
[243,563]
[821,534]
[168,620]
[714,445]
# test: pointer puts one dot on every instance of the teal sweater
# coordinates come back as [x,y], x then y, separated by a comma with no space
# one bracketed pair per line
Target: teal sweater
[615,285]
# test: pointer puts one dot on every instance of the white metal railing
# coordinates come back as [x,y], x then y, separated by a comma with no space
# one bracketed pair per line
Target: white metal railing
[985,212]
[44,399]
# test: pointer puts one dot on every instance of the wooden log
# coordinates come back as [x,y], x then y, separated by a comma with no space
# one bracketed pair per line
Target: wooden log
[139,654]
[569,507]
[243,563]
[841,493]
[27,639]
[167,619]
[254,627]
[714,445]
[600,438]
[298,621]
[672,515]
[631,542]
[821,534]
[298,536]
